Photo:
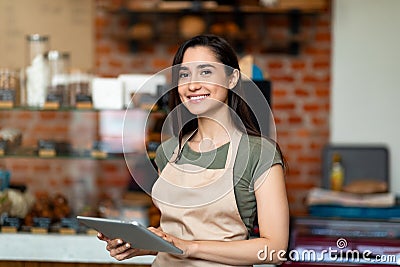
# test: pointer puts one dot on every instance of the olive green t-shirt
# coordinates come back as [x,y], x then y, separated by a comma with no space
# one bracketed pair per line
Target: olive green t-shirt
[254,157]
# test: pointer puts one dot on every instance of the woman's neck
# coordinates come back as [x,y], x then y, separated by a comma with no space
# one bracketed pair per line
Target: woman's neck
[215,130]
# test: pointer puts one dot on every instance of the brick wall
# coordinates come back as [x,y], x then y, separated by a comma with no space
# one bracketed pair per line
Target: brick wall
[301,92]
[301,86]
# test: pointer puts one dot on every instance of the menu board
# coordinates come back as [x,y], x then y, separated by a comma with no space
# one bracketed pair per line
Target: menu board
[68,23]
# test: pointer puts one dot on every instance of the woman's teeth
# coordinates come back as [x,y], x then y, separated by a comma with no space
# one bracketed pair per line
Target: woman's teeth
[198,97]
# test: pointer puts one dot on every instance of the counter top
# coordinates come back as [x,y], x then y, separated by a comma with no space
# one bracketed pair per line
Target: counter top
[59,248]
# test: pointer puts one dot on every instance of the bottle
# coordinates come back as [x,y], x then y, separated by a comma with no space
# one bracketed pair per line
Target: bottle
[337,173]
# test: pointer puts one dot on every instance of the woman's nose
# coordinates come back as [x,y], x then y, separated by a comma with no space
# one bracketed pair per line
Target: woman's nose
[193,86]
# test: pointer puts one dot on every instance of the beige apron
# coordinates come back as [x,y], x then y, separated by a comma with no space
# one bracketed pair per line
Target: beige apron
[198,204]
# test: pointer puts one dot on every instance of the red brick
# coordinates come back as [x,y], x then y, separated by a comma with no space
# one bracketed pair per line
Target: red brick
[279,93]
[298,65]
[321,64]
[281,78]
[160,64]
[301,92]
[283,106]
[309,78]
[303,133]
[101,22]
[103,49]
[322,92]
[115,63]
[313,51]
[278,21]
[296,146]
[315,173]
[311,107]
[319,121]
[293,172]
[309,159]
[278,120]
[25,115]
[123,47]
[42,167]
[295,119]
[323,37]
[275,65]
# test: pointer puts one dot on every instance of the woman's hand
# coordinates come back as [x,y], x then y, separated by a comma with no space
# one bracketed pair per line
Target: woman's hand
[121,250]
[186,246]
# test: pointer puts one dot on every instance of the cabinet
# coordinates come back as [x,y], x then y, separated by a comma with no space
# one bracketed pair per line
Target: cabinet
[83,177]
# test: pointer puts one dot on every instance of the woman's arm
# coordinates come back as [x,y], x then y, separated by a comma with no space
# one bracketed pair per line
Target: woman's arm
[273,218]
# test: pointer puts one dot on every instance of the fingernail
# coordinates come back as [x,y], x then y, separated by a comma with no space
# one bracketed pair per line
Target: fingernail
[98,235]
[120,241]
[127,245]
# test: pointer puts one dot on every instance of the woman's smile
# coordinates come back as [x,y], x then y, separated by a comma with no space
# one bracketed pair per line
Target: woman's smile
[197,98]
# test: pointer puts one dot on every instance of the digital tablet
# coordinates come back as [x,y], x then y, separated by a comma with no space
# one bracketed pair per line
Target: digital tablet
[133,233]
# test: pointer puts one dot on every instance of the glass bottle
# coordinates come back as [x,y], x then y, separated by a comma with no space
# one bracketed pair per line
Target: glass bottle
[36,72]
[337,173]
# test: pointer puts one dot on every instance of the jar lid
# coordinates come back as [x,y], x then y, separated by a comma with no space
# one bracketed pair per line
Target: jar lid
[37,37]
[55,54]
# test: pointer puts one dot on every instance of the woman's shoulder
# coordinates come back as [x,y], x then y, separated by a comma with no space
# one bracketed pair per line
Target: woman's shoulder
[261,150]
[257,143]
[168,145]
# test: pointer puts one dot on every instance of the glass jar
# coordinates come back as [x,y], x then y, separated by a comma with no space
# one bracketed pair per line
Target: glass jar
[9,88]
[81,89]
[57,89]
[36,72]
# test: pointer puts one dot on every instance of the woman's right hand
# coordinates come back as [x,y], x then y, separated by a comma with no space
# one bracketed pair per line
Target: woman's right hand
[121,250]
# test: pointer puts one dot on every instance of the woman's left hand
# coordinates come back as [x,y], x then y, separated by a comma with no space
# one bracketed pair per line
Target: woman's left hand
[184,245]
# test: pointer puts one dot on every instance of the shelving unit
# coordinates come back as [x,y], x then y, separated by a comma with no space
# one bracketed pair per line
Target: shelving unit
[78,173]
[165,21]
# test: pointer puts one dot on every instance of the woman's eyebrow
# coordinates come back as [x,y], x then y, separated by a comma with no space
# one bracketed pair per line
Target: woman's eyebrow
[183,68]
[202,66]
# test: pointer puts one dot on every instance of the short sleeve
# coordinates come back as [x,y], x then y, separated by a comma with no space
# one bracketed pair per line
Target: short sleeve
[164,152]
[268,156]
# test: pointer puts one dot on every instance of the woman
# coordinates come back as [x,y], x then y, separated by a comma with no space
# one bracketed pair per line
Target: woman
[211,168]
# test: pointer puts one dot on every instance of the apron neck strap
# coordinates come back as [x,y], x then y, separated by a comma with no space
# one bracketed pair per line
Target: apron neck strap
[232,151]
[233,148]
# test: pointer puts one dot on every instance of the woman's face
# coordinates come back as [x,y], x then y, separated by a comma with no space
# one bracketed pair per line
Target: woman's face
[203,82]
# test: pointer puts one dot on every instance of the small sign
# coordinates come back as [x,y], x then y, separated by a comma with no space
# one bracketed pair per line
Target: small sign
[83,101]
[47,148]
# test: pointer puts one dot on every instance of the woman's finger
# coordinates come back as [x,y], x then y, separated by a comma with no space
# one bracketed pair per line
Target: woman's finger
[113,244]
[102,237]
[120,250]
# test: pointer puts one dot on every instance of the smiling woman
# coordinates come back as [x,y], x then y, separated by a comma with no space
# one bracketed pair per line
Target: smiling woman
[219,175]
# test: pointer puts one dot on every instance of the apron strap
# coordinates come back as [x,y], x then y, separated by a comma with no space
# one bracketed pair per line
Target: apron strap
[177,152]
[233,149]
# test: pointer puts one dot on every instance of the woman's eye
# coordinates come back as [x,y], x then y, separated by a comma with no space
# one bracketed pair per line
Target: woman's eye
[183,75]
[205,72]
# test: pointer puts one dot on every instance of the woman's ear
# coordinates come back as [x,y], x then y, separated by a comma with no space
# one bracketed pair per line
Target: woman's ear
[233,79]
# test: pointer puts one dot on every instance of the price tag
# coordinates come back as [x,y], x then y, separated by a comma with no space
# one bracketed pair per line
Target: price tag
[83,101]
[47,148]
[7,98]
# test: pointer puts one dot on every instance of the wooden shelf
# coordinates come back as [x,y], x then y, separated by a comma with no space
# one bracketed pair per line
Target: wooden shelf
[282,6]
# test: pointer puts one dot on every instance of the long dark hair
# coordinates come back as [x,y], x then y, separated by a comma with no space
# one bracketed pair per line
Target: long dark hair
[226,55]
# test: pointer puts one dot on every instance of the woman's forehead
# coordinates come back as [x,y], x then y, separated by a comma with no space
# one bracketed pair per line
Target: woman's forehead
[199,53]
